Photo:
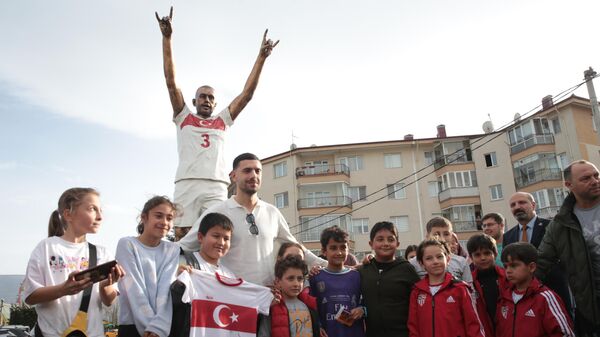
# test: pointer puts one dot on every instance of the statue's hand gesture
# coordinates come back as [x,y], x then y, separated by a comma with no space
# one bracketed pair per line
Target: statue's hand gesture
[267,45]
[165,23]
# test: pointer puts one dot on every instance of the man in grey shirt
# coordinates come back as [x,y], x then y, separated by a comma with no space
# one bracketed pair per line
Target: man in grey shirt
[573,238]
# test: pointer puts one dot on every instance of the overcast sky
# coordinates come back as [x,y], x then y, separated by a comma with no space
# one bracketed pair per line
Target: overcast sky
[83,100]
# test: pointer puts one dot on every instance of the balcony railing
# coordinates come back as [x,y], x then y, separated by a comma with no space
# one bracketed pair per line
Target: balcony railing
[530,178]
[463,156]
[548,212]
[531,141]
[322,169]
[458,192]
[464,226]
[318,202]
[314,234]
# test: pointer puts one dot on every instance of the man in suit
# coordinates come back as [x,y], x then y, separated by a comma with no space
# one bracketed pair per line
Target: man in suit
[531,228]
[522,206]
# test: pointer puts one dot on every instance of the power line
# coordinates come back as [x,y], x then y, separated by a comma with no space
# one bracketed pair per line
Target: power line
[498,133]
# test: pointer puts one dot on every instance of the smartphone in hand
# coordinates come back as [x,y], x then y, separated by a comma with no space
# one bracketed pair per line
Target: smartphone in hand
[343,316]
[97,273]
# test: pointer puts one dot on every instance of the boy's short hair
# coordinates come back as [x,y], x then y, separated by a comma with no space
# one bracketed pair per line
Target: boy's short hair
[481,241]
[334,232]
[438,221]
[291,261]
[211,220]
[244,156]
[383,225]
[521,251]
[432,242]
[498,218]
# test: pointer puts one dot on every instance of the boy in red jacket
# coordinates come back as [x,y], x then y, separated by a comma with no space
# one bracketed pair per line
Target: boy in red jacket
[291,316]
[488,279]
[440,305]
[527,308]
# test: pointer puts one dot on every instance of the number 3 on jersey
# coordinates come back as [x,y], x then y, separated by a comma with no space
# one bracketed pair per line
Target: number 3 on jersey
[206,139]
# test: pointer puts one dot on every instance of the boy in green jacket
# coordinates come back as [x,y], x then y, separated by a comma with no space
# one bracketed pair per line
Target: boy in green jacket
[386,284]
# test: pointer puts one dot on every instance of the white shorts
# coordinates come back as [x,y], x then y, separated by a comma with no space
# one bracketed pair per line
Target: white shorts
[194,196]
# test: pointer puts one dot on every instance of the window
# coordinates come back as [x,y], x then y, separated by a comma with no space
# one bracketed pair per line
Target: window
[312,226]
[319,199]
[401,222]
[357,193]
[555,125]
[354,163]
[280,169]
[316,167]
[490,159]
[458,179]
[541,198]
[396,191]
[360,226]
[281,200]
[496,192]
[428,157]
[536,126]
[392,160]
[432,187]
[563,160]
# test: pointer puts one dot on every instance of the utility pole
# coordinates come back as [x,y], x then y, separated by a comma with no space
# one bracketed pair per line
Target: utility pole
[589,76]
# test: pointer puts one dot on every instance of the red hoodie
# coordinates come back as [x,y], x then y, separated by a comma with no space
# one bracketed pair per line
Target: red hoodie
[539,313]
[448,313]
[479,298]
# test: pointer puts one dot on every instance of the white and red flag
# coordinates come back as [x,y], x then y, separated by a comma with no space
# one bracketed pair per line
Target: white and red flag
[223,307]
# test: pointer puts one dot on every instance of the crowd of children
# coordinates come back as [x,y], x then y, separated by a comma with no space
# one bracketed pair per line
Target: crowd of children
[163,292]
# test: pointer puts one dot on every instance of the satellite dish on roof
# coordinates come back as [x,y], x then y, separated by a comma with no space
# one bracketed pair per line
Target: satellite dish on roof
[488,127]
[517,117]
[293,146]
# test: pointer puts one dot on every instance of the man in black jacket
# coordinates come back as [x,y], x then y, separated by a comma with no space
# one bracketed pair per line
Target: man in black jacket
[573,239]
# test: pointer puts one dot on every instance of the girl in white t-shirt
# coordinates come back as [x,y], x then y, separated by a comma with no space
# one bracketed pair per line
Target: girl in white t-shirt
[49,281]
[151,264]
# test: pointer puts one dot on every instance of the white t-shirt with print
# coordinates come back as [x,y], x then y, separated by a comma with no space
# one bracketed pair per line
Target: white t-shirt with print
[50,264]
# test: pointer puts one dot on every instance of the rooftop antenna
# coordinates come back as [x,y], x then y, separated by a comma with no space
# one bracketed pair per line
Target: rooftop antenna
[293,146]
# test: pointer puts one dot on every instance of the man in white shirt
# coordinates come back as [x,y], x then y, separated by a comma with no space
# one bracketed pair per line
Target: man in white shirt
[201,179]
[257,227]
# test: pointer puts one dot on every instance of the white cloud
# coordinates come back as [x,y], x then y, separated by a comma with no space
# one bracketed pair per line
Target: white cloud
[10,165]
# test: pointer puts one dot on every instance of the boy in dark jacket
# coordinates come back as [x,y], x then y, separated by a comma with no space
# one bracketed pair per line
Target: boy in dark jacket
[386,283]
[527,308]
[488,279]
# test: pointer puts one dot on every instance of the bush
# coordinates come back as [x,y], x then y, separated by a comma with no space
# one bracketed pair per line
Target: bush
[22,315]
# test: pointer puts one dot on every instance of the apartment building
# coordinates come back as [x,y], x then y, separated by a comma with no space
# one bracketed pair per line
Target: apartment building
[408,181]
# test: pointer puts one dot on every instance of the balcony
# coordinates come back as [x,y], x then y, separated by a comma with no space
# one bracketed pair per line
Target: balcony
[458,192]
[532,141]
[320,170]
[464,226]
[548,212]
[319,202]
[531,177]
[458,157]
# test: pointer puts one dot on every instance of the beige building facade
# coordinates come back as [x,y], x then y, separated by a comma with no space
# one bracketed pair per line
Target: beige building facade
[409,181]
